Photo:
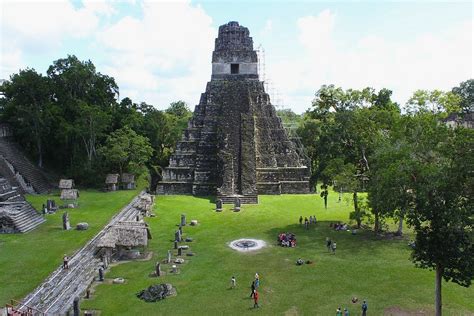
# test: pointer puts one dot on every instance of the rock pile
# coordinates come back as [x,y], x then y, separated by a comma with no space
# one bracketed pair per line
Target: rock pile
[157,292]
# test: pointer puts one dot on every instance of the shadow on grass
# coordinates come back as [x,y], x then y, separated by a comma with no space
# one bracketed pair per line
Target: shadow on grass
[363,241]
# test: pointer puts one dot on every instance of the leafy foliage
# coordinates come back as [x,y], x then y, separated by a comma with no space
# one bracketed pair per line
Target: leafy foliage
[62,119]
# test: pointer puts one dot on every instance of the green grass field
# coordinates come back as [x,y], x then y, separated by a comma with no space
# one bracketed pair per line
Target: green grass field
[27,259]
[378,270]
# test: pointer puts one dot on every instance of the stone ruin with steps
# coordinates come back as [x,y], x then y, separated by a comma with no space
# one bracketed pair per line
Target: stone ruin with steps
[16,215]
[235,145]
[17,177]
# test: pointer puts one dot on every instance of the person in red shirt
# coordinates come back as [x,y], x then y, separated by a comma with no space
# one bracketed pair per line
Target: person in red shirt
[255,299]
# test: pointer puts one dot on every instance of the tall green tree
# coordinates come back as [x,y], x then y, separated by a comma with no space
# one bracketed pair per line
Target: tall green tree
[443,213]
[126,150]
[350,123]
[28,108]
[84,100]
[424,172]
[465,91]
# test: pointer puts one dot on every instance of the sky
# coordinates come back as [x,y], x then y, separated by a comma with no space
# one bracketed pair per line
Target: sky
[160,51]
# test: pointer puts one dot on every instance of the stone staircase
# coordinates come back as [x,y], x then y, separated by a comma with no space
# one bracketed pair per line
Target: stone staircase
[9,193]
[56,294]
[22,168]
[244,199]
[22,216]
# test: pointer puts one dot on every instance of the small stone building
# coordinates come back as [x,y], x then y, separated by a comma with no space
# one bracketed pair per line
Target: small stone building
[111,181]
[66,184]
[70,196]
[127,181]
[124,240]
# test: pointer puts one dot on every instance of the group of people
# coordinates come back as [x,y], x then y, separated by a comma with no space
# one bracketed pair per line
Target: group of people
[339,226]
[254,287]
[340,312]
[331,245]
[287,240]
[307,222]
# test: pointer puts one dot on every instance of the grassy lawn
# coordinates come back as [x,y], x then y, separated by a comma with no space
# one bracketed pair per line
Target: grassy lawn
[364,266]
[27,259]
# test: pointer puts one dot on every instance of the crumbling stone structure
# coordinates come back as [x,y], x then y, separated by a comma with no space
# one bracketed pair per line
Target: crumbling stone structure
[235,144]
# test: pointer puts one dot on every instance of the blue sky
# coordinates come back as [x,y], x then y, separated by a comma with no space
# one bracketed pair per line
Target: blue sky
[160,52]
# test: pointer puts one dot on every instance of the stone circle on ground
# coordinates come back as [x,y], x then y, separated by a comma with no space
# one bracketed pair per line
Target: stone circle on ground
[247,244]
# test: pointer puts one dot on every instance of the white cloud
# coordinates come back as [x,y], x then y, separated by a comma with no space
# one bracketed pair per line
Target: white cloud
[430,61]
[165,55]
[41,26]
[267,28]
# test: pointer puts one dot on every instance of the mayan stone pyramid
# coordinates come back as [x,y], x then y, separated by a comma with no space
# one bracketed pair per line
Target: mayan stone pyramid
[235,144]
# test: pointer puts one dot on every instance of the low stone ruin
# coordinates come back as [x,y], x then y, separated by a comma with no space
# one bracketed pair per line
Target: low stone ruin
[157,292]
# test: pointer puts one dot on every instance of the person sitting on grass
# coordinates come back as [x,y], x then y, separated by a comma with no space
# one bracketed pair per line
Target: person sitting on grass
[299,262]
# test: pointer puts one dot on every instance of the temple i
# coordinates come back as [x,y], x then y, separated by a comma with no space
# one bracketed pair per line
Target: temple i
[235,144]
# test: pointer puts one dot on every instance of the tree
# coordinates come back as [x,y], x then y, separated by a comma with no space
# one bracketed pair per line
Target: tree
[84,100]
[126,150]
[28,108]
[466,92]
[179,109]
[389,190]
[350,123]
[424,171]
[435,101]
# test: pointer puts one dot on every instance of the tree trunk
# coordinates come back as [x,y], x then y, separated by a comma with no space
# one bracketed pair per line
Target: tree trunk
[400,227]
[356,209]
[377,222]
[40,153]
[439,277]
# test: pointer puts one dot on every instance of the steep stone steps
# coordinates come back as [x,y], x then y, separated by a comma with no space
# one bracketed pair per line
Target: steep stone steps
[22,214]
[11,153]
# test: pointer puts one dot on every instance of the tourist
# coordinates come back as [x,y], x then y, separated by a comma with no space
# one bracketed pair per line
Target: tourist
[306,223]
[314,219]
[255,299]
[232,282]
[346,312]
[299,262]
[338,312]
[328,243]
[333,247]
[65,262]
[364,308]
[256,276]
[257,283]
[354,299]
[301,220]
[311,219]
[253,289]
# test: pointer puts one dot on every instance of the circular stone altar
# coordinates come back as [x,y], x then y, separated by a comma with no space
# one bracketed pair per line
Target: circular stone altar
[247,244]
